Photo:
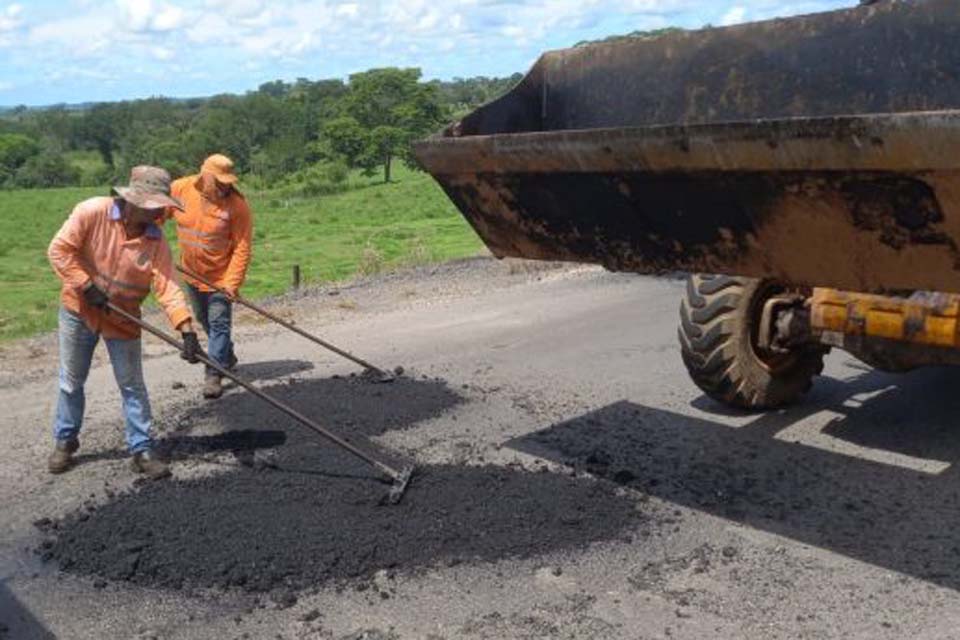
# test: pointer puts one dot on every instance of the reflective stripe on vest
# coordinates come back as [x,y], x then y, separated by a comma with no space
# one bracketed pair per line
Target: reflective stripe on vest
[126,285]
[203,240]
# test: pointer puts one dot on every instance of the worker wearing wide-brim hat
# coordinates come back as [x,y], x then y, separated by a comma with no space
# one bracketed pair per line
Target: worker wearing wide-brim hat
[111,251]
[214,232]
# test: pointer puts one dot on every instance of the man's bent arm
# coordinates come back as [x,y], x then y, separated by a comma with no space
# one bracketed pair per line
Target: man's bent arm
[165,288]
[241,235]
[64,249]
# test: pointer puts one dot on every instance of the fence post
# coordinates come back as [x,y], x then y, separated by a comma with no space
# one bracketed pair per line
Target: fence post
[296,277]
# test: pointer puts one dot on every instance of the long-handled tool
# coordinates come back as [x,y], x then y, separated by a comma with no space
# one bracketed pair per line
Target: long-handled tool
[384,376]
[399,478]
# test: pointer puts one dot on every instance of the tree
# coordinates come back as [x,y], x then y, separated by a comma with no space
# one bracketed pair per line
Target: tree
[461,95]
[101,129]
[57,127]
[346,138]
[274,89]
[15,149]
[388,142]
[276,131]
[395,108]
[320,101]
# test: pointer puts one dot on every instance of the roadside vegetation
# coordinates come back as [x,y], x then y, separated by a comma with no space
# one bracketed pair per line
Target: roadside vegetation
[326,164]
[365,228]
[313,128]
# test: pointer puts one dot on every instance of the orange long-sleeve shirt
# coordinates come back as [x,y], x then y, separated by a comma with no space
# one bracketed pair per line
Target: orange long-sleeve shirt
[93,245]
[214,236]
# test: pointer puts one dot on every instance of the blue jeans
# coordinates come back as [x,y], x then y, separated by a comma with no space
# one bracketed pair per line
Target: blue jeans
[215,312]
[77,343]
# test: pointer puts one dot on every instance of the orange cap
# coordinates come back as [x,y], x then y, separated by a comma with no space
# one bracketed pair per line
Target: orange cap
[221,167]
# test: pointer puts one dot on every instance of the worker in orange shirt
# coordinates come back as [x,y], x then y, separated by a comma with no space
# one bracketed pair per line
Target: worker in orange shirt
[214,230]
[110,250]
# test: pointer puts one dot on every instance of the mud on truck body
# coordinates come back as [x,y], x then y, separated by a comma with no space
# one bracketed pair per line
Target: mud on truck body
[804,171]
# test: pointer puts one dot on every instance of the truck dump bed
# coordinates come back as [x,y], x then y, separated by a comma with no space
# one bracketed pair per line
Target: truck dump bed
[820,150]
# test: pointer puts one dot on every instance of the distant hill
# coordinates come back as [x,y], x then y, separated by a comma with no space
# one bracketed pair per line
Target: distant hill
[10,110]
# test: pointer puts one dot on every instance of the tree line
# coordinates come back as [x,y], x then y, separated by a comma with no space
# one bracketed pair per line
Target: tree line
[307,132]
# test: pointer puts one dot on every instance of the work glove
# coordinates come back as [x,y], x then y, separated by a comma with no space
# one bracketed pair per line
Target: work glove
[191,347]
[94,296]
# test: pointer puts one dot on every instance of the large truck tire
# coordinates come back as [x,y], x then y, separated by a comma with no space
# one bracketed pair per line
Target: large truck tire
[719,324]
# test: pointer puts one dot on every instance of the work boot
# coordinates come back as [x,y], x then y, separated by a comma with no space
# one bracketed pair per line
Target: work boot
[147,463]
[212,387]
[232,363]
[62,457]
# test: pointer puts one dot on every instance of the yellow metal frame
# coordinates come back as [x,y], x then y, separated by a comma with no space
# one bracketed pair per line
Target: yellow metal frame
[926,318]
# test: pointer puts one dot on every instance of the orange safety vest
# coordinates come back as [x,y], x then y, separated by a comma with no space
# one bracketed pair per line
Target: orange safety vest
[214,237]
[93,245]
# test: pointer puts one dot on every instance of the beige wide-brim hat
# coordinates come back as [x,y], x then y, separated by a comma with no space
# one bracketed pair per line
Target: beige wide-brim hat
[149,188]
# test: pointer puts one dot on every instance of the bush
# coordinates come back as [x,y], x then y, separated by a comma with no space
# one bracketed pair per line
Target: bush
[337,172]
[15,150]
[371,261]
[254,182]
[96,176]
[323,178]
[46,170]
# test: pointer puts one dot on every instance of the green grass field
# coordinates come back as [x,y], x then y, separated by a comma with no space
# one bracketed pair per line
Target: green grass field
[372,228]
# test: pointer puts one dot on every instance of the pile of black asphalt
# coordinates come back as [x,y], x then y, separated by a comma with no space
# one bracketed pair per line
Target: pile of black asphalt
[312,513]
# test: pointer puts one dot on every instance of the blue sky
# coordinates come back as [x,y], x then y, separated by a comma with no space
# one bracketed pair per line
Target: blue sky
[71,51]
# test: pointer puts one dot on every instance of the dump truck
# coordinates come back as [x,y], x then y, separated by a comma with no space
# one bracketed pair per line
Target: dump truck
[804,171]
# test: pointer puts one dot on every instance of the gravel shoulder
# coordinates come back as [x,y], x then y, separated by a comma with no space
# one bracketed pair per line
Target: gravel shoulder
[577,484]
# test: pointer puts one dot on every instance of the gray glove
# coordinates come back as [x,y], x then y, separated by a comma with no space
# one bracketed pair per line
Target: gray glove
[94,296]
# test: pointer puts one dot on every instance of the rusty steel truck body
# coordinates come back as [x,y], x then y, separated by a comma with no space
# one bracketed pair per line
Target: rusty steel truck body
[809,165]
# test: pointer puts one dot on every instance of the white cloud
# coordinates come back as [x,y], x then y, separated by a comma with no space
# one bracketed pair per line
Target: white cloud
[11,18]
[208,29]
[349,10]
[735,15]
[298,28]
[428,20]
[162,53]
[513,31]
[332,38]
[136,13]
[146,15]
[6,86]
[258,20]
[169,18]
[75,37]
[72,73]
[236,8]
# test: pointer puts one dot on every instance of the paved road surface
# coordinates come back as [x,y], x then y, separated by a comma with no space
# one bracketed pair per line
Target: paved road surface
[836,519]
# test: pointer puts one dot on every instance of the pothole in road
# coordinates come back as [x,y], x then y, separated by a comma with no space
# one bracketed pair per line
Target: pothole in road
[347,405]
[261,531]
[313,514]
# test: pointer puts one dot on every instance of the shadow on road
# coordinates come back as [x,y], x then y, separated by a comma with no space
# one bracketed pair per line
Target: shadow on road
[17,622]
[891,515]
[242,423]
